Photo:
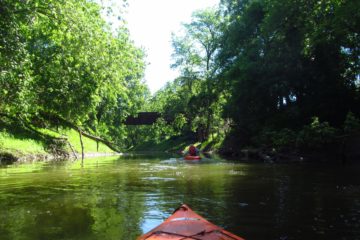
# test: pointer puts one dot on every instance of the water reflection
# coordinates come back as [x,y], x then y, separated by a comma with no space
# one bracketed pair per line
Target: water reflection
[120,198]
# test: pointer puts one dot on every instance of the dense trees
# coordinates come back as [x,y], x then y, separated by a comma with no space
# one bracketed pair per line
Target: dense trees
[273,68]
[292,61]
[278,67]
[195,95]
[60,59]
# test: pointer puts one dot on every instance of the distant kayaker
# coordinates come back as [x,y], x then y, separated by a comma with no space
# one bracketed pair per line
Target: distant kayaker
[193,151]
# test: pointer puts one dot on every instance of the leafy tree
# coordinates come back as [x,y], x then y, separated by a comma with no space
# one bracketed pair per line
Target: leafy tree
[286,61]
[61,60]
[195,56]
[15,72]
[351,124]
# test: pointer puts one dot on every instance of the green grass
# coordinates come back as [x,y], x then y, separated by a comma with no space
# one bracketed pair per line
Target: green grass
[74,139]
[10,143]
[14,139]
[89,144]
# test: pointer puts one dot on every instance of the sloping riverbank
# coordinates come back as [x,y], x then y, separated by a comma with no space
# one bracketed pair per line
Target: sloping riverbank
[17,145]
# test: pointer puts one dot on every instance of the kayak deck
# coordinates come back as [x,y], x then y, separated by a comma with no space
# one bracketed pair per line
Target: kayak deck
[185,224]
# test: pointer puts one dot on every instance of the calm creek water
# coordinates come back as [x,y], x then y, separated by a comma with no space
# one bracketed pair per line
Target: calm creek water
[123,197]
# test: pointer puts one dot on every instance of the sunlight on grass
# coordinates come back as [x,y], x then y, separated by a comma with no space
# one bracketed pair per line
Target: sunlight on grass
[26,145]
[74,139]
[89,144]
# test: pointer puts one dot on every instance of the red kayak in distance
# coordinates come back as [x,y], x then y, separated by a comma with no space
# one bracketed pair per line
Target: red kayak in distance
[189,157]
[185,224]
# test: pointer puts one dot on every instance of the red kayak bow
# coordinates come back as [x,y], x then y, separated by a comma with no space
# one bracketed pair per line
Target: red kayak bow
[185,224]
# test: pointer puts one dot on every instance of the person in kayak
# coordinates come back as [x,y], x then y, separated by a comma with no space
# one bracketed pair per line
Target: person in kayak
[193,151]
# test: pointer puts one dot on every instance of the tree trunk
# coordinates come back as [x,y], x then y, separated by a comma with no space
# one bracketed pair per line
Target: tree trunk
[82,147]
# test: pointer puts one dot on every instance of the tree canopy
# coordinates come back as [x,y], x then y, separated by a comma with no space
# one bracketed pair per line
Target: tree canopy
[247,69]
[266,66]
[61,58]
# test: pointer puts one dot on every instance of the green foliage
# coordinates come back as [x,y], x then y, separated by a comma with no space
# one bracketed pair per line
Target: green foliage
[283,139]
[352,123]
[285,61]
[61,58]
[195,93]
[179,122]
[316,135]
[15,72]
[245,66]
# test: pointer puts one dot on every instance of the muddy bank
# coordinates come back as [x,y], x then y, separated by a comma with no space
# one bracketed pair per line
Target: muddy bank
[12,157]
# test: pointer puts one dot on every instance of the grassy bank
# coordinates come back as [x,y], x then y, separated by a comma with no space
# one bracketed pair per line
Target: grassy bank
[17,143]
[12,144]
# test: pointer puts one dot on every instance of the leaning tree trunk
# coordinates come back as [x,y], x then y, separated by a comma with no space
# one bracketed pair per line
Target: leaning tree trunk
[82,146]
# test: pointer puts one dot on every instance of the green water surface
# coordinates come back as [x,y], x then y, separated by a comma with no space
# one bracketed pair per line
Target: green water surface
[123,197]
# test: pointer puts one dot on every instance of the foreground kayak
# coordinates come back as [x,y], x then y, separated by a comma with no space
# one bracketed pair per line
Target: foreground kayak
[185,224]
[189,157]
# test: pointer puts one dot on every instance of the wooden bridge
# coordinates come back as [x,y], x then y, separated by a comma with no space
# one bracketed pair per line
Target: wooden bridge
[144,118]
